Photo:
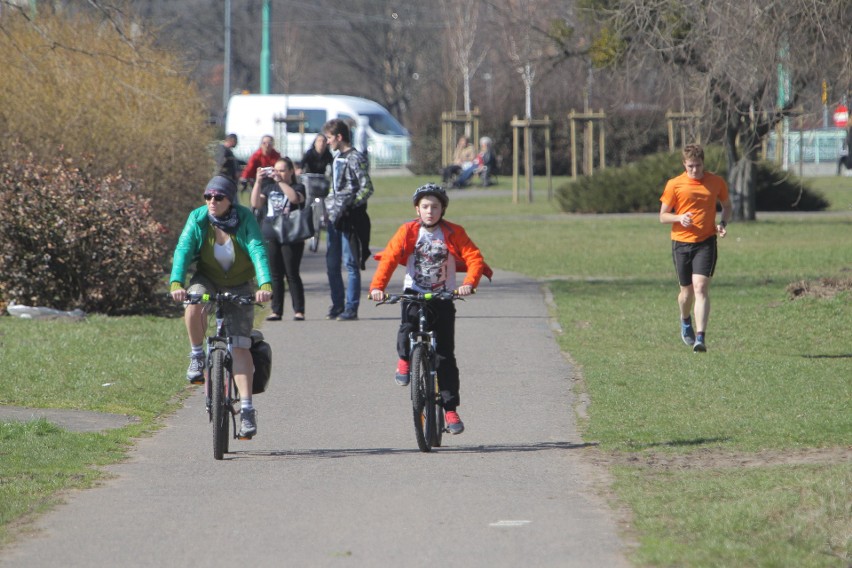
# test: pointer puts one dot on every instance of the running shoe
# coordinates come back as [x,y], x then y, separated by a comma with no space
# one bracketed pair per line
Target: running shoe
[686,332]
[195,372]
[402,373]
[248,424]
[454,423]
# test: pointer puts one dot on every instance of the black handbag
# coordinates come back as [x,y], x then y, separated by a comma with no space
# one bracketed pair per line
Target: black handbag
[294,227]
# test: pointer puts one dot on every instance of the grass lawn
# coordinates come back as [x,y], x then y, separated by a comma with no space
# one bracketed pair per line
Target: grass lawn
[737,457]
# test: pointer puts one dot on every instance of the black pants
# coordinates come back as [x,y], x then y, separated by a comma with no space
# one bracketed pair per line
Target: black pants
[442,320]
[284,262]
[450,172]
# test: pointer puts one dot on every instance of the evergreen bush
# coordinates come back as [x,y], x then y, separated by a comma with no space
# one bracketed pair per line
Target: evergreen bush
[637,187]
[70,240]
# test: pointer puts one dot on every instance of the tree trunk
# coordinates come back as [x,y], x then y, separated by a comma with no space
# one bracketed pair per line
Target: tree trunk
[743,189]
[742,183]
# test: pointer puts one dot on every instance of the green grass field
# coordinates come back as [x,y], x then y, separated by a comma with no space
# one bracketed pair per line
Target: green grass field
[738,457]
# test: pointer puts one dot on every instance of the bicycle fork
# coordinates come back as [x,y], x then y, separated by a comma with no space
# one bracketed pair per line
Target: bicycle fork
[216,344]
[423,337]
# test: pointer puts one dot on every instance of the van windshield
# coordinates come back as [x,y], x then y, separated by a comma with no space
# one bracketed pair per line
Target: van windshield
[384,123]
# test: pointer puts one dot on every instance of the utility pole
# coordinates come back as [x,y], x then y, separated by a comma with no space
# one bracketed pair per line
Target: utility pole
[226,78]
[264,50]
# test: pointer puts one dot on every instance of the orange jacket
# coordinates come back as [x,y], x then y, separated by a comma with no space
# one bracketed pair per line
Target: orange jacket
[401,246]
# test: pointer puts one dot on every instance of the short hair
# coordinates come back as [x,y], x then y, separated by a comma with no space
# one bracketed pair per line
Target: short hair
[337,126]
[486,140]
[231,136]
[693,152]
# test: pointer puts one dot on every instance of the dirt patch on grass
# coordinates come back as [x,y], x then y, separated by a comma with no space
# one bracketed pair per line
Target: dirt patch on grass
[71,420]
[824,288]
[721,459]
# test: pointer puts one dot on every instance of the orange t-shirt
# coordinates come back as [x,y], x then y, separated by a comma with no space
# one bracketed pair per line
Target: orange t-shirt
[698,196]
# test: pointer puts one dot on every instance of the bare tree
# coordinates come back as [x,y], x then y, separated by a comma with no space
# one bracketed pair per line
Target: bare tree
[462,21]
[289,56]
[522,44]
[384,43]
[714,51]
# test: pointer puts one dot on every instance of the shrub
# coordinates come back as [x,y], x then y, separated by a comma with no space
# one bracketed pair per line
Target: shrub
[638,186]
[70,240]
[91,85]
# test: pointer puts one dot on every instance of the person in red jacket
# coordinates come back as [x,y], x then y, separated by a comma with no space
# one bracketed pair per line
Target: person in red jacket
[433,251]
[263,157]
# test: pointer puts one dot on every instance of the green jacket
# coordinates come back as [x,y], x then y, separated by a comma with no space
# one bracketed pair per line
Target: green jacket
[196,245]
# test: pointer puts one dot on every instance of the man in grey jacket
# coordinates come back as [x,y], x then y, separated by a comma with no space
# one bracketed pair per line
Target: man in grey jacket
[349,224]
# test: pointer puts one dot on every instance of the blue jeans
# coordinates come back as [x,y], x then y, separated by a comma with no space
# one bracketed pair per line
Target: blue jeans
[463,178]
[343,248]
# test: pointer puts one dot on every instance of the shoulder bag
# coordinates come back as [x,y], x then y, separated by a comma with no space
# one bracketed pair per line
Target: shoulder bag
[294,227]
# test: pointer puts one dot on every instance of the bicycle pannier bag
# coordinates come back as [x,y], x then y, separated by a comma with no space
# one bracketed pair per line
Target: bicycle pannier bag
[261,356]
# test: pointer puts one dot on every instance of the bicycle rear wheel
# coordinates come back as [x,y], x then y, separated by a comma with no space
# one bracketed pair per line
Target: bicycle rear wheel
[219,410]
[422,398]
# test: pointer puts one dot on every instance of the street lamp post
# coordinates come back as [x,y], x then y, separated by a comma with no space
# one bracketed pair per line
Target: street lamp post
[226,78]
[264,51]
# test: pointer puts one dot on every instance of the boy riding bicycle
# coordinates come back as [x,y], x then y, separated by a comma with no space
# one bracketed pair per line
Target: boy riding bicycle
[224,240]
[432,251]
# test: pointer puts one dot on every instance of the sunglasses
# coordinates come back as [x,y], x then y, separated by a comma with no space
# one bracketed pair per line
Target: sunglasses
[215,196]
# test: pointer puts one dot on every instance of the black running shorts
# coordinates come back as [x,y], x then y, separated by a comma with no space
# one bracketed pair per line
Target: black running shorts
[694,258]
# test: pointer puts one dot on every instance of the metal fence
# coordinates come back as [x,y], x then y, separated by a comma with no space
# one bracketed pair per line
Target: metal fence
[819,146]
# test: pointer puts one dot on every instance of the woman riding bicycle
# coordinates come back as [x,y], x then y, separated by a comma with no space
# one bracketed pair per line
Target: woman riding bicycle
[432,251]
[224,240]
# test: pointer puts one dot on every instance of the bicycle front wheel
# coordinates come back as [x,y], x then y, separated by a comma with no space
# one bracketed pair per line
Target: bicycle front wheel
[422,397]
[219,410]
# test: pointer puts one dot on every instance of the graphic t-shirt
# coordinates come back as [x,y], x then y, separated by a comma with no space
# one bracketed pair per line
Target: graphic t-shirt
[431,267]
[276,201]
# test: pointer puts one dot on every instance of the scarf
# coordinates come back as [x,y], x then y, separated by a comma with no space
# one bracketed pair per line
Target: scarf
[229,223]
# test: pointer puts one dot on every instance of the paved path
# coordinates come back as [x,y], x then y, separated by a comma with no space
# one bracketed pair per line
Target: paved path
[334,477]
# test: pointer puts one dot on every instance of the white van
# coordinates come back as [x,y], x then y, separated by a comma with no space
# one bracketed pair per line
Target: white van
[250,117]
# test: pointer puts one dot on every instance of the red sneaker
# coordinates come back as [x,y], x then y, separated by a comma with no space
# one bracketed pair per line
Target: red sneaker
[402,373]
[454,423]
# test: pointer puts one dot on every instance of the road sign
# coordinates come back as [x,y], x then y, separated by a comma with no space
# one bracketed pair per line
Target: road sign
[841,116]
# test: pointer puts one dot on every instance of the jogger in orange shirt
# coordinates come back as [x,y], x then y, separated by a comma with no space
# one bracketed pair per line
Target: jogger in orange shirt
[689,206]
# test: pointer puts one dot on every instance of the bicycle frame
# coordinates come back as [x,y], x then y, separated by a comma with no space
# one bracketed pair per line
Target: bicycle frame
[423,335]
[425,391]
[220,390]
[222,340]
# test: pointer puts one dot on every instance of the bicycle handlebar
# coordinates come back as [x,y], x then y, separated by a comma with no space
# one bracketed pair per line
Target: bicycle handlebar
[418,297]
[197,298]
